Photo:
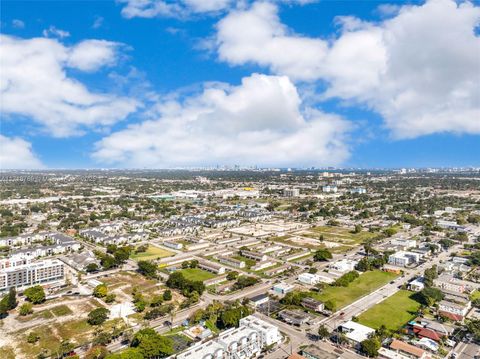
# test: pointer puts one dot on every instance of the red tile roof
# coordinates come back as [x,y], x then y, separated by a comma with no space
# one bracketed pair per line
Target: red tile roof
[406,348]
[427,333]
[451,316]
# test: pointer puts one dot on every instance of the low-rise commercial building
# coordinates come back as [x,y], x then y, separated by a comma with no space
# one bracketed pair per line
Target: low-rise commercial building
[282,288]
[313,304]
[259,257]
[308,278]
[232,262]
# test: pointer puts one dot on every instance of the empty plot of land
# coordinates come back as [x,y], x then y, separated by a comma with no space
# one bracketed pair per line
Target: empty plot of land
[338,234]
[152,253]
[363,285]
[393,312]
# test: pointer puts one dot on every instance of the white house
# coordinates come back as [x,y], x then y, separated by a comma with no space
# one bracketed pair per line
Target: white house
[344,265]
[309,278]
[356,332]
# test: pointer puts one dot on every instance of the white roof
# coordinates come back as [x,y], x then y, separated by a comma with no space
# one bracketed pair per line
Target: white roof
[356,332]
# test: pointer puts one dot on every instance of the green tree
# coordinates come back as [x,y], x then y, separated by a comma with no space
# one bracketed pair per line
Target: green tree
[96,352]
[100,291]
[232,275]
[370,347]
[429,275]
[110,298]
[323,332]
[92,267]
[32,337]
[148,269]
[98,316]
[322,255]
[35,294]
[167,295]
[431,295]
[26,308]
[330,305]
[12,298]
[151,344]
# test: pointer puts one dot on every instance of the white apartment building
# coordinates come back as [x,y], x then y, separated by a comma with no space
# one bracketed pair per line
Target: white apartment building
[210,267]
[458,310]
[291,192]
[13,262]
[232,262]
[173,245]
[405,243]
[330,189]
[344,265]
[448,282]
[402,258]
[358,190]
[262,265]
[246,341]
[42,272]
[309,278]
[259,257]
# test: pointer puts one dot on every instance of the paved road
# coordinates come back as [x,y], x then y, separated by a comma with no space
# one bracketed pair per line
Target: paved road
[467,350]
[297,337]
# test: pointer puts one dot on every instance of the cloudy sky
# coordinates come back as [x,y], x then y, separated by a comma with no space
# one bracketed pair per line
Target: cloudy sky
[290,83]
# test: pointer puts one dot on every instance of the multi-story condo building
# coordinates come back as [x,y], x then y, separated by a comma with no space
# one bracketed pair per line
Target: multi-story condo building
[291,192]
[25,275]
[402,259]
[246,341]
[454,311]
[449,283]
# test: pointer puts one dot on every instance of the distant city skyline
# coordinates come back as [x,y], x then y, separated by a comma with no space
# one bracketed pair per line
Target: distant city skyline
[274,84]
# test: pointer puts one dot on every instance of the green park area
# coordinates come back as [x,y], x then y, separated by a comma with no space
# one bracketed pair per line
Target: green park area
[151,253]
[393,312]
[363,285]
[196,274]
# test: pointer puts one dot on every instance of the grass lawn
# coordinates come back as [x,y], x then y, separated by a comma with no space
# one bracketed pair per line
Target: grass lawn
[61,310]
[475,295]
[212,326]
[77,331]
[7,353]
[393,312]
[197,274]
[248,261]
[151,253]
[340,234]
[366,283]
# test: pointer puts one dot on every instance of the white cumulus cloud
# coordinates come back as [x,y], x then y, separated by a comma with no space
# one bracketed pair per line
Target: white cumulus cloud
[419,69]
[35,84]
[52,31]
[16,153]
[178,9]
[259,122]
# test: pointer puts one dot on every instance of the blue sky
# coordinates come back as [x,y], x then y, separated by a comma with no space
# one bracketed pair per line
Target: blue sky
[150,84]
